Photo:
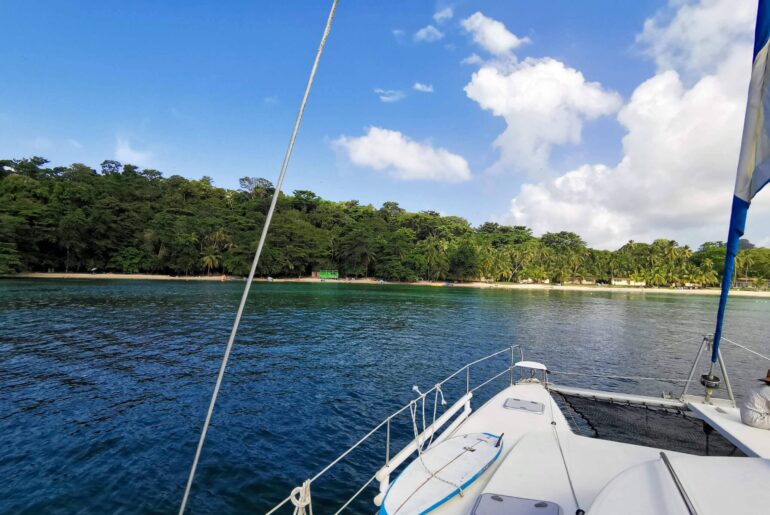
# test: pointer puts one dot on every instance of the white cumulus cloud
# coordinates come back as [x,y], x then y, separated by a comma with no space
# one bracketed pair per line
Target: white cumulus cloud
[695,37]
[428,34]
[389,95]
[543,102]
[443,14]
[492,35]
[127,154]
[680,149]
[392,152]
[423,88]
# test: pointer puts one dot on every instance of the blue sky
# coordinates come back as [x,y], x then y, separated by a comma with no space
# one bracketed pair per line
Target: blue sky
[204,88]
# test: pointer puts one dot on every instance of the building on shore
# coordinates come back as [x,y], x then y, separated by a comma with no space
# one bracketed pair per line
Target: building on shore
[580,282]
[325,274]
[625,281]
[533,281]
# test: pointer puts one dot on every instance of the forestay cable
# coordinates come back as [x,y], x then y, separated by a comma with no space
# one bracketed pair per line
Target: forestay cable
[262,237]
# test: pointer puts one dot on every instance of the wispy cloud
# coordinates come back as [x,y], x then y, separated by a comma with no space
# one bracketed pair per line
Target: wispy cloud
[398,33]
[443,15]
[423,88]
[389,95]
[127,154]
[472,59]
[270,101]
[428,34]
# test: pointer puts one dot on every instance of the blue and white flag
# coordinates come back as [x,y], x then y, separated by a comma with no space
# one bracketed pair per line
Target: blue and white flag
[754,160]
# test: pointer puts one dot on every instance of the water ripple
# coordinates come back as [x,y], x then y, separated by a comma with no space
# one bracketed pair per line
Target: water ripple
[109,381]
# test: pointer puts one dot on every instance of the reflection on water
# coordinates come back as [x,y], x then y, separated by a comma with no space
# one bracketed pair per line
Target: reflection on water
[108,381]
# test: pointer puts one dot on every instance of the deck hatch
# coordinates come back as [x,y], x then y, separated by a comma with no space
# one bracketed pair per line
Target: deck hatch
[494,504]
[522,405]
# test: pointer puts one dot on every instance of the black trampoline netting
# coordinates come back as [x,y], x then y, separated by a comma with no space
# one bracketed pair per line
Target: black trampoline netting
[667,429]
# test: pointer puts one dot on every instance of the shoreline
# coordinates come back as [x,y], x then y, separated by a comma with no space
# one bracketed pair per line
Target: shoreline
[477,284]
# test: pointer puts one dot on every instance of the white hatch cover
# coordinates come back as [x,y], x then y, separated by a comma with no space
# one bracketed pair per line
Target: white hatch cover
[518,404]
[493,504]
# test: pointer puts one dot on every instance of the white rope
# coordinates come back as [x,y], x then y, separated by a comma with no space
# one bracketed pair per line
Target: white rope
[263,236]
[746,349]
[300,498]
[604,376]
[413,412]
[439,392]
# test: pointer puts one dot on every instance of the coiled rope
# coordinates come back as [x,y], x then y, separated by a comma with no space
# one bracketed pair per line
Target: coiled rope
[263,236]
[300,498]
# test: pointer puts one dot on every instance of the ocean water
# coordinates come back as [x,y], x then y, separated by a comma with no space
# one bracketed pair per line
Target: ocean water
[105,383]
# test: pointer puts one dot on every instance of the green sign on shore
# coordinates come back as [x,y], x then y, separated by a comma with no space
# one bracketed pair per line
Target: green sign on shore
[329,274]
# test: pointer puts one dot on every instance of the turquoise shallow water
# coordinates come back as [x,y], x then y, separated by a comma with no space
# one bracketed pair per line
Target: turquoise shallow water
[106,382]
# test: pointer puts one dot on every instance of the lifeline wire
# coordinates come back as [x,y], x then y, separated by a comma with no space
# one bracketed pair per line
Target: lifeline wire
[262,237]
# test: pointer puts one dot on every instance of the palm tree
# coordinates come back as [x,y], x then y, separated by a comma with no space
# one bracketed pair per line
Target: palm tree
[575,260]
[745,259]
[435,257]
[488,261]
[709,277]
[520,256]
[210,261]
[503,265]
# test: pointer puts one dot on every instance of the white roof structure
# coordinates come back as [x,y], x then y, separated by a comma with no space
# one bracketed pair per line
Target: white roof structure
[530,364]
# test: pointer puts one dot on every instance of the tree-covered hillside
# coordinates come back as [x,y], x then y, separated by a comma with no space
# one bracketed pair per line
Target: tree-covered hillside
[125,219]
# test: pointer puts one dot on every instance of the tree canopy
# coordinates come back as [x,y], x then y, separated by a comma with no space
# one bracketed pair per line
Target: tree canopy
[126,219]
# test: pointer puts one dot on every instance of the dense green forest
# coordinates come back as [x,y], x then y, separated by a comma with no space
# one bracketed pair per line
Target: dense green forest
[126,219]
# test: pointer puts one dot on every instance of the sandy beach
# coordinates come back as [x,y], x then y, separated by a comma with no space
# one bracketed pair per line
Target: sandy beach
[484,285]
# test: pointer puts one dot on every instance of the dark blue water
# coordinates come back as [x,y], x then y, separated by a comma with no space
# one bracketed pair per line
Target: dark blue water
[105,383]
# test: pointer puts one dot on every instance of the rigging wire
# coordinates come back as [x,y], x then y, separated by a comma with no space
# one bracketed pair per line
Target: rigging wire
[746,349]
[578,509]
[260,245]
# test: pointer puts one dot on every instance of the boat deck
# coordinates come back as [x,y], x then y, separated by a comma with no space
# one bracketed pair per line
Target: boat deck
[602,473]
[531,465]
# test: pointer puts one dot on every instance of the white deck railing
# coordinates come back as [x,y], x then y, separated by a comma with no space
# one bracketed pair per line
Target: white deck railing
[300,496]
